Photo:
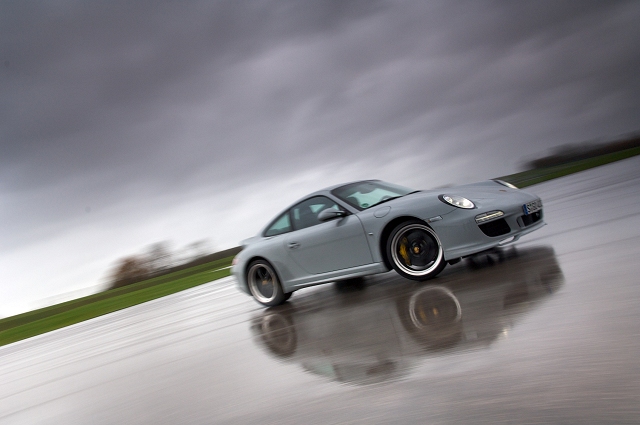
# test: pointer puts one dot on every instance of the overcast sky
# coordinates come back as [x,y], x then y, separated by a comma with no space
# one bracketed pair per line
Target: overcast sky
[128,123]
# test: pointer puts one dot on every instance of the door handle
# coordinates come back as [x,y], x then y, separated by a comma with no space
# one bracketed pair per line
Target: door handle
[294,245]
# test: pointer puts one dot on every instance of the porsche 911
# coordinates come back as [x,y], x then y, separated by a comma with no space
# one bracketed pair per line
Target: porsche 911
[356,229]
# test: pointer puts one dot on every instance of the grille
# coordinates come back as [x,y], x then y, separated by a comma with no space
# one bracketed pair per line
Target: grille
[495,228]
[528,220]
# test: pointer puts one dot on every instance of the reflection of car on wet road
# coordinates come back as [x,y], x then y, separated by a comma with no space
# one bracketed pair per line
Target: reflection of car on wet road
[380,331]
[370,227]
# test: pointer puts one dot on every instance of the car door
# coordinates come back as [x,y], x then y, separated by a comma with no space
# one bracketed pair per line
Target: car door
[320,247]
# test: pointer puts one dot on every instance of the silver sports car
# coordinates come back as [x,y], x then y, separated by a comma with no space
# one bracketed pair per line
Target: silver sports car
[368,227]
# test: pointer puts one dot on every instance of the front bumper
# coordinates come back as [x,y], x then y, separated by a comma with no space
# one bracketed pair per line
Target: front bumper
[461,235]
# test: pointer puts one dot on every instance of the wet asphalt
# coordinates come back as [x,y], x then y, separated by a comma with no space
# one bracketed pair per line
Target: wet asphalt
[545,331]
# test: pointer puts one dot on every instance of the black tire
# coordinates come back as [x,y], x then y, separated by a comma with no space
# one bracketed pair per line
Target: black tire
[415,252]
[264,284]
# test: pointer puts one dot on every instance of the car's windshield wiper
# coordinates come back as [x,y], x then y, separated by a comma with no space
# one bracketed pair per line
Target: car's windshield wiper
[393,197]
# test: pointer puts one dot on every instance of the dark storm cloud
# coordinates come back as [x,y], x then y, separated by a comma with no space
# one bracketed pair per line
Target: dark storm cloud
[106,86]
[80,78]
[115,114]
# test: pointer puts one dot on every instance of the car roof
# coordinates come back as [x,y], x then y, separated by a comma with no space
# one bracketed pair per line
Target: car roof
[335,186]
[327,190]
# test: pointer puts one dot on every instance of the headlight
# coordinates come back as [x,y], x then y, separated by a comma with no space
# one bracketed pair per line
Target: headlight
[457,201]
[504,183]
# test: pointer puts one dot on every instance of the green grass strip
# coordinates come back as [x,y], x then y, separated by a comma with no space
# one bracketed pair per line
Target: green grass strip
[43,320]
[539,175]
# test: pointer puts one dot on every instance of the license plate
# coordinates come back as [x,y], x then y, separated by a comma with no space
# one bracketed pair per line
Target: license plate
[531,207]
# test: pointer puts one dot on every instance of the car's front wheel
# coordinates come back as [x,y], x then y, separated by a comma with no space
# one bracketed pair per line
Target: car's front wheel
[415,251]
[264,284]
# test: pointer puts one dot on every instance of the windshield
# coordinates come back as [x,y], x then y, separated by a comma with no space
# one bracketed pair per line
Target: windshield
[363,195]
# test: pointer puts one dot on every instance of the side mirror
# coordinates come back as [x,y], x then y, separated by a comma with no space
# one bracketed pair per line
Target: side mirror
[330,214]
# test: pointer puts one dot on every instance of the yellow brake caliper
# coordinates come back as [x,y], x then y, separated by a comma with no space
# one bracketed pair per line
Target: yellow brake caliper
[404,252]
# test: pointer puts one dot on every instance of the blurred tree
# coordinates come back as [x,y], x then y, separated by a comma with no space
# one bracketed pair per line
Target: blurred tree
[159,257]
[129,270]
[574,152]
[197,249]
[157,260]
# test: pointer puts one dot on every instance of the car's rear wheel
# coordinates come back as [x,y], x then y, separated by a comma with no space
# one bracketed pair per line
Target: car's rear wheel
[264,284]
[415,251]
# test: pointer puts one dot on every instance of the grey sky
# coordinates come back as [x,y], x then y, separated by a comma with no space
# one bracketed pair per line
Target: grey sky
[127,123]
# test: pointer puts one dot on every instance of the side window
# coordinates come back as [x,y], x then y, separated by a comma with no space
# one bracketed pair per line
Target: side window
[305,214]
[281,225]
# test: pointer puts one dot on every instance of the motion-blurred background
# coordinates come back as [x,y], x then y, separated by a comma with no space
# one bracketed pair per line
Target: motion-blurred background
[128,124]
